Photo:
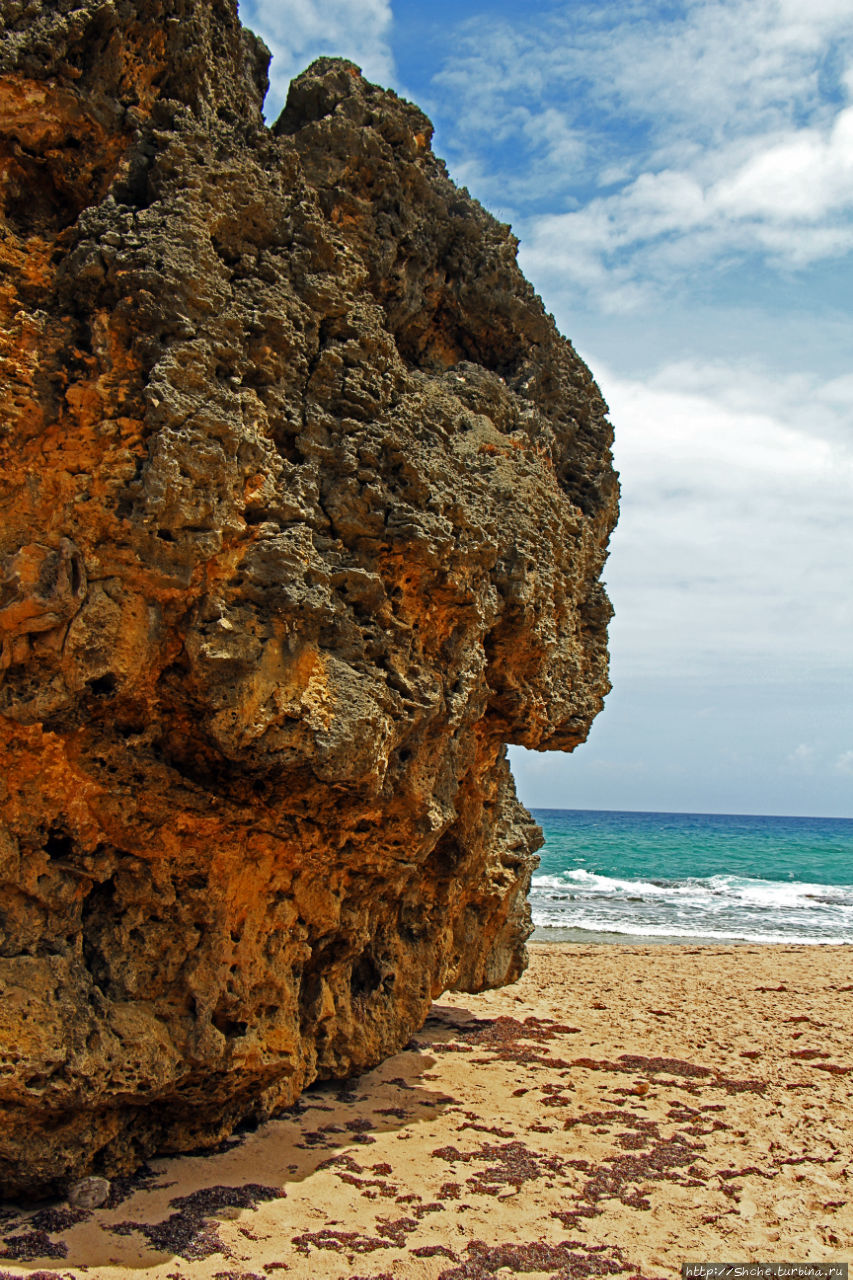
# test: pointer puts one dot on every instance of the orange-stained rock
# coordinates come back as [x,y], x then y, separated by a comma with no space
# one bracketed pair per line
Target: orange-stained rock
[303,508]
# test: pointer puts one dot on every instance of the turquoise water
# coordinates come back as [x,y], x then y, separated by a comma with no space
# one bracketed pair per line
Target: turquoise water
[686,876]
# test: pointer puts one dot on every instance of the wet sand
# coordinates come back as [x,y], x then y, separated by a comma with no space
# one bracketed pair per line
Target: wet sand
[619,1111]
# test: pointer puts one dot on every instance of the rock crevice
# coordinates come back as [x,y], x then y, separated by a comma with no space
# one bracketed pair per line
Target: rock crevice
[304,504]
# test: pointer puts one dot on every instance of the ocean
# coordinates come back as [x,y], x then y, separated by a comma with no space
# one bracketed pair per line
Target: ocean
[692,877]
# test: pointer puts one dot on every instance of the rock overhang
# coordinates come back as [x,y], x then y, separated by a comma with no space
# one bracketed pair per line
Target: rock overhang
[305,504]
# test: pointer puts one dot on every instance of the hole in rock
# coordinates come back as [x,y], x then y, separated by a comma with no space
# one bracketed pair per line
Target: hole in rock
[288,448]
[231,1028]
[76,576]
[309,999]
[102,686]
[58,844]
[99,918]
[446,856]
[366,977]
[34,198]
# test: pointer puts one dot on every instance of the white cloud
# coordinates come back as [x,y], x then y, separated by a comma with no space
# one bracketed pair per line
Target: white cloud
[298,31]
[699,140]
[802,758]
[731,557]
[816,14]
[790,201]
[839,391]
[723,64]
[807,175]
[844,763]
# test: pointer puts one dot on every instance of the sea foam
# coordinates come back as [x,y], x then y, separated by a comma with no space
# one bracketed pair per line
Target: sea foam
[727,904]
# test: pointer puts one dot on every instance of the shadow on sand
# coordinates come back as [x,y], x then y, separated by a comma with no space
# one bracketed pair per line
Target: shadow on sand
[170,1208]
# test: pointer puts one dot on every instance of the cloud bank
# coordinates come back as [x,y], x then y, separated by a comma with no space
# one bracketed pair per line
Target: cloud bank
[732,553]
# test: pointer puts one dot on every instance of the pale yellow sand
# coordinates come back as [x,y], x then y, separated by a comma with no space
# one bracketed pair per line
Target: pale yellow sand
[617,1112]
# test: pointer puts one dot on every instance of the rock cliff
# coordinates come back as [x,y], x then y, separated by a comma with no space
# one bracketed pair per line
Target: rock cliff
[303,507]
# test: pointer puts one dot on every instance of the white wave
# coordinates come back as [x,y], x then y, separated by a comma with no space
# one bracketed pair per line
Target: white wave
[782,893]
[581,880]
[771,893]
[717,907]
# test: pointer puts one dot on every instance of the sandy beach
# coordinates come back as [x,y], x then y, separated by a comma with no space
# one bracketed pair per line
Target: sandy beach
[619,1111]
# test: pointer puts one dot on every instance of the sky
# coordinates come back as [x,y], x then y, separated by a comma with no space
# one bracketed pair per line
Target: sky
[680,176]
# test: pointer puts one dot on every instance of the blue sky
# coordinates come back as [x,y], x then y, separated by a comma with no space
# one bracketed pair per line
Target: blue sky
[680,176]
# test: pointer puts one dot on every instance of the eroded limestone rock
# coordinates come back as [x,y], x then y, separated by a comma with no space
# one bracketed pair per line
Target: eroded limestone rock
[303,508]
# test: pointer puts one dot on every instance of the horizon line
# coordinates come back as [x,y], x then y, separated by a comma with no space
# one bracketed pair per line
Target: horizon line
[694,813]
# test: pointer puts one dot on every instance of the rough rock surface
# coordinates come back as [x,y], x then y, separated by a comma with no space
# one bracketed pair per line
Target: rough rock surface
[303,508]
